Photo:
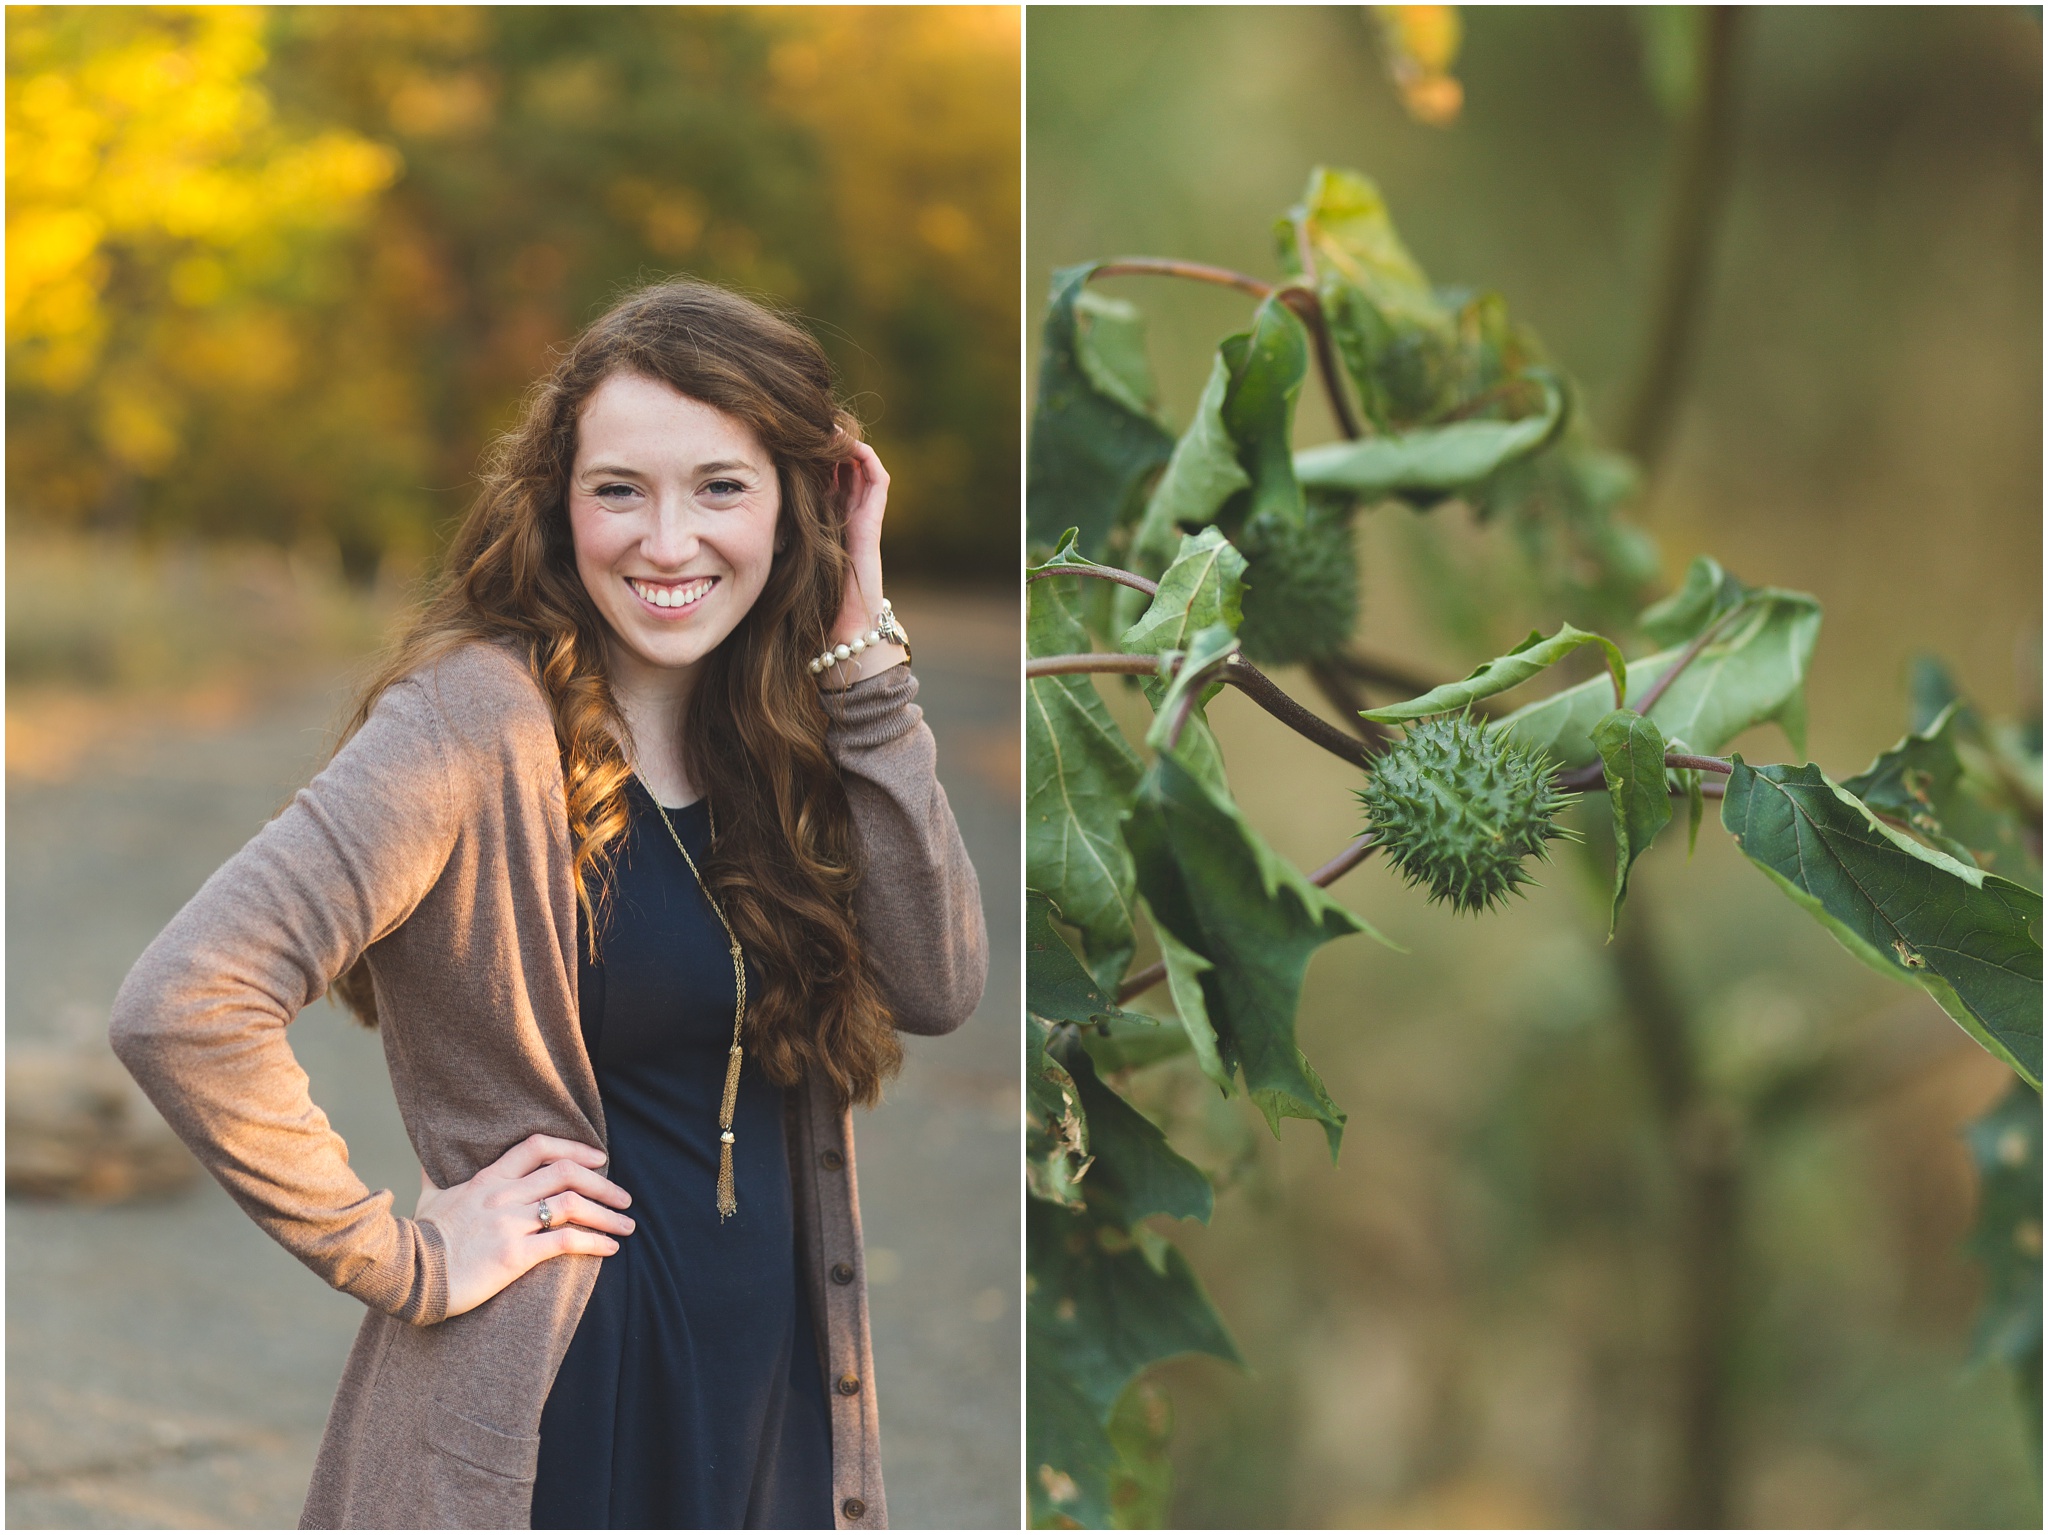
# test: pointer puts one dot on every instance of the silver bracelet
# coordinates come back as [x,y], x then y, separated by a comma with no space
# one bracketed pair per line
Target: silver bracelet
[883,631]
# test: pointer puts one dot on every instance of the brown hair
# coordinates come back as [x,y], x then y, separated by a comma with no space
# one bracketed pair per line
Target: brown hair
[787,860]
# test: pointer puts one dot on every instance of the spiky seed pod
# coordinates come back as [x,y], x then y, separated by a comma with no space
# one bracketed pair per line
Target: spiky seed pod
[1300,585]
[1458,807]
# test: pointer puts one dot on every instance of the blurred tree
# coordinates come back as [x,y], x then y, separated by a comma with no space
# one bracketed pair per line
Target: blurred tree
[412,205]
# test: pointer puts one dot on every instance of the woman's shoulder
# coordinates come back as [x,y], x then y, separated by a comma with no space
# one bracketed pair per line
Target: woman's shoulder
[484,699]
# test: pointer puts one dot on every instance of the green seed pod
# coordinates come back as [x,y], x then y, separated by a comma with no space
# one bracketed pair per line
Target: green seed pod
[1300,585]
[1458,807]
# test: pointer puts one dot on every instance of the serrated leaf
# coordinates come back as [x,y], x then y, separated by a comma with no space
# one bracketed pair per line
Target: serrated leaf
[2005,1143]
[1970,939]
[1503,672]
[1203,586]
[1267,368]
[1752,673]
[1184,971]
[1925,782]
[1213,886]
[1080,774]
[1431,461]
[1098,1311]
[1707,593]
[1090,452]
[1135,1173]
[1632,752]
[1057,986]
[1200,478]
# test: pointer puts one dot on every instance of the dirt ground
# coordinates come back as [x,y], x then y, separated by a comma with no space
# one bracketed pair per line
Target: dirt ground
[168,1366]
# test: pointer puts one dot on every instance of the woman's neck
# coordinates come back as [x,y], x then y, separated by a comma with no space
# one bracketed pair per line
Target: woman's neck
[652,699]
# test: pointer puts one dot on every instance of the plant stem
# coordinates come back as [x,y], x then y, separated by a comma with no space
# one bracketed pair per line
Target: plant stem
[1686,657]
[1159,266]
[1132,579]
[1308,308]
[1140,981]
[1699,184]
[1239,673]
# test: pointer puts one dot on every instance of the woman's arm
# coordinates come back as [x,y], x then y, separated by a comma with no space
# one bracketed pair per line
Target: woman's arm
[921,922]
[200,1021]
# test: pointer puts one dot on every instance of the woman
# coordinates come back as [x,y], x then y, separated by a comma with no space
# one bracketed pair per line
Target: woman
[635,855]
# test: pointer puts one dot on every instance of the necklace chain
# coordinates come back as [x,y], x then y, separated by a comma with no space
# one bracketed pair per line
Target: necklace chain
[728,1202]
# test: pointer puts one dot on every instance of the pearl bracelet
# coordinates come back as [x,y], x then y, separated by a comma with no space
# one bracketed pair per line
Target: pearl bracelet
[884,630]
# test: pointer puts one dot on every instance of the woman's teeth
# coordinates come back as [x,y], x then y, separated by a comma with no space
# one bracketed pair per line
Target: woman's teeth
[671,596]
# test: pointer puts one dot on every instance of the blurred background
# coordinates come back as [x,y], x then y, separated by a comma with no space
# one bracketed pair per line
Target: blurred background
[275,276]
[1477,1319]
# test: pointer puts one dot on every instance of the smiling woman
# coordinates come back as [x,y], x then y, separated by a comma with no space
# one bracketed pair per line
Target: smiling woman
[595,857]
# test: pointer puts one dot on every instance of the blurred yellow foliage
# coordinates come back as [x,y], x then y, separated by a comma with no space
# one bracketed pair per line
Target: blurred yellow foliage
[1422,44]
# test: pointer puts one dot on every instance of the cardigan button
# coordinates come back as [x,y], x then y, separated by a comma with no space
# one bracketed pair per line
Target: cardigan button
[842,1273]
[853,1508]
[849,1385]
[832,1161]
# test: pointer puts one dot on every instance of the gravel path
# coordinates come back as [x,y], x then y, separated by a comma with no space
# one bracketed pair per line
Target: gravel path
[169,1367]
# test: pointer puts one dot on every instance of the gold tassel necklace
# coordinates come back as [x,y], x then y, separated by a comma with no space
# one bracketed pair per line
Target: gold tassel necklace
[728,1202]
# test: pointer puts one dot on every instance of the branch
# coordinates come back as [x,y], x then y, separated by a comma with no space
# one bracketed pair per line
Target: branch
[1350,707]
[1308,308]
[1141,981]
[1135,582]
[1594,774]
[1157,266]
[1239,673]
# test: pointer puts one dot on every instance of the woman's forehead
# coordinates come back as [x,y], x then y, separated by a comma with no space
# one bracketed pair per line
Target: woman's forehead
[657,425]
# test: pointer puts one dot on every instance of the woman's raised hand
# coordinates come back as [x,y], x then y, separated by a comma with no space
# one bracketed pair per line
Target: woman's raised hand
[491,1226]
[866,500]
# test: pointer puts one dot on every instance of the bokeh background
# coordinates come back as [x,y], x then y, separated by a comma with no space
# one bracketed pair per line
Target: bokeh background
[274,277]
[1474,1320]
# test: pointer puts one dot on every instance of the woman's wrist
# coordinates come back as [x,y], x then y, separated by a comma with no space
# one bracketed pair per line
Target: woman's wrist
[871,661]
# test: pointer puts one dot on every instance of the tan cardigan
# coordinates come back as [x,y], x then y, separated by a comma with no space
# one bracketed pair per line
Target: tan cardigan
[437,842]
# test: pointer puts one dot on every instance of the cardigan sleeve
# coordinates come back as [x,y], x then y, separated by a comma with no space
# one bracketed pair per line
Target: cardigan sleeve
[919,904]
[200,1020]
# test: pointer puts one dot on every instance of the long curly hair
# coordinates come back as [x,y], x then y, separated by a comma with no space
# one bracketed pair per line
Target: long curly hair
[787,861]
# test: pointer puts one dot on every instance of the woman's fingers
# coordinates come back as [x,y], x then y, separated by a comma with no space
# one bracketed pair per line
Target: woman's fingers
[555,1177]
[574,1209]
[571,1239]
[538,1150]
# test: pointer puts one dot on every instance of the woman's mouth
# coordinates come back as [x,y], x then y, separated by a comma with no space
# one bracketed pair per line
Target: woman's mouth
[669,596]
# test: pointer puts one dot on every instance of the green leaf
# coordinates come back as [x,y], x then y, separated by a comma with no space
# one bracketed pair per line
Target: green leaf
[1504,672]
[1203,586]
[1212,886]
[1057,987]
[1080,774]
[1184,971]
[1200,478]
[1707,594]
[1970,939]
[1433,461]
[1198,667]
[1632,752]
[1267,369]
[1091,451]
[1754,671]
[1135,1173]
[1098,1311]
[1695,809]
[1109,344]
[1925,782]
[1133,1042]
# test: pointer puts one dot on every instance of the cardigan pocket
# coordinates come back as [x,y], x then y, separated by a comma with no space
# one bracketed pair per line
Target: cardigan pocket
[481,1478]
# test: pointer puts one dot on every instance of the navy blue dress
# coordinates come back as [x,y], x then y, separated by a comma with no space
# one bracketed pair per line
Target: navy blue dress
[691,1396]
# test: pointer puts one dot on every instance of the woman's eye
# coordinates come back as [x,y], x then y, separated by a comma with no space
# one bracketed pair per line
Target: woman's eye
[724,488]
[615,492]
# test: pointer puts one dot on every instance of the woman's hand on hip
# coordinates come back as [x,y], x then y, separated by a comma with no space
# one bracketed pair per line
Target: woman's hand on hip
[492,1224]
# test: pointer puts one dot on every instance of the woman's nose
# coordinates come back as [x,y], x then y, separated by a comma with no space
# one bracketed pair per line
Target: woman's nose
[672,541]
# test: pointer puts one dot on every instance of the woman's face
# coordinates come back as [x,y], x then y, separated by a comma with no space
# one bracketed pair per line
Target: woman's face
[673,507]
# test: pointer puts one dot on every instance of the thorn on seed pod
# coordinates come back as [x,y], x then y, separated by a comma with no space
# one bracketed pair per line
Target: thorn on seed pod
[1459,807]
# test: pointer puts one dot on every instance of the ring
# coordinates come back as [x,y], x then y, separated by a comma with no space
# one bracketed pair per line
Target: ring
[547,1220]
